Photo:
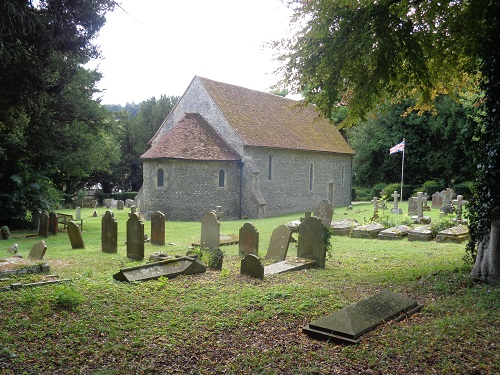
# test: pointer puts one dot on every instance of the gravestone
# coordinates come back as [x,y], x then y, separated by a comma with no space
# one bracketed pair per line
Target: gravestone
[157,228]
[129,202]
[343,227]
[252,266]
[310,244]
[412,206]
[248,240]
[147,215]
[367,231]
[394,233]
[119,205]
[109,233]
[347,325]
[420,204]
[43,229]
[375,206]
[396,209]
[447,195]
[53,224]
[437,200]
[425,205]
[75,236]
[456,234]
[324,212]
[210,232]
[278,245]
[459,203]
[422,233]
[35,220]
[168,268]
[133,210]
[107,202]
[135,237]
[78,214]
[37,250]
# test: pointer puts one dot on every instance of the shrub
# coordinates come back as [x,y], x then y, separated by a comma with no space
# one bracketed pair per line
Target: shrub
[5,232]
[377,189]
[118,196]
[444,223]
[389,189]
[67,298]
[430,187]
[129,195]
[362,193]
[102,197]
[465,189]
[215,258]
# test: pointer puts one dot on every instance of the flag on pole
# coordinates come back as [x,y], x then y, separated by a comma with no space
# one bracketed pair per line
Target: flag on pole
[398,148]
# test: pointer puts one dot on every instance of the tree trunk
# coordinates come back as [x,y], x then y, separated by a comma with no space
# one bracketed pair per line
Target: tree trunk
[487,266]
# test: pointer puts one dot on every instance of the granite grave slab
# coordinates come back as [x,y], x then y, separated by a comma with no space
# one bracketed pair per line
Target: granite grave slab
[344,227]
[368,231]
[456,234]
[395,233]
[422,233]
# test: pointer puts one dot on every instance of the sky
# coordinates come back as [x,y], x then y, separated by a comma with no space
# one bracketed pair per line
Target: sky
[155,47]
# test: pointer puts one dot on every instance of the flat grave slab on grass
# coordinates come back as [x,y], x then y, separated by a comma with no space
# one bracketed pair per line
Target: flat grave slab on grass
[347,325]
[395,233]
[224,240]
[456,234]
[422,233]
[343,227]
[292,264]
[367,231]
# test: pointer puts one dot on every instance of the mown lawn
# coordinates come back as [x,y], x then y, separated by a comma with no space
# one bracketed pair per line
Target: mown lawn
[222,322]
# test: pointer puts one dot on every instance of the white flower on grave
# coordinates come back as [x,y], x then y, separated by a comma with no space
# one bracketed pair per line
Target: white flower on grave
[13,249]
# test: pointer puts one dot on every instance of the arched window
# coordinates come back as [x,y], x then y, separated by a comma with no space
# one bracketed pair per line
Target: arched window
[222,178]
[311,176]
[159,178]
[270,168]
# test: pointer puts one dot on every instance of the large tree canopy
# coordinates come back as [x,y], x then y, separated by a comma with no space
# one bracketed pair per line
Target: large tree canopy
[360,53]
[53,133]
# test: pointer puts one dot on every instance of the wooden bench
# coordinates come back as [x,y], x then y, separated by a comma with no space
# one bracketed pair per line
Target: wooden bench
[64,219]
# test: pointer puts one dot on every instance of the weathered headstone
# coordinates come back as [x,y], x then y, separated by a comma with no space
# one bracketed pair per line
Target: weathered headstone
[324,212]
[252,266]
[278,245]
[422,233]
[437,200]
[420,204]
[394,233]
[43,229]
[109,233]
[107,202]
[78,214]
[119,205]
[129,202]
[133,210]
[375,206]
[157,228]
[35,220]
[135,237]
[37,250]
[53,224]
[367,231]
[412,206]
[425,205]
[343,227]
[347,325]
[459,203]
[447,195]
[210,232]
[75,236]
[396,209]
[248,240]
[310,244]
[456,234]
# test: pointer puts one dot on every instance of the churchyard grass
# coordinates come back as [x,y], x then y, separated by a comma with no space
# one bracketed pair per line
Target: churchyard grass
[222,322]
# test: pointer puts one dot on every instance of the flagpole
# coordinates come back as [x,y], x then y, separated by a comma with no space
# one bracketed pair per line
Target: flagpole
[402,168]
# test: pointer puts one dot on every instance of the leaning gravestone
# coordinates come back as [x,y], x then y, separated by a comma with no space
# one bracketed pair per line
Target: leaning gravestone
[43,229]
[75,236]
[422,233]
[278,245]
[437,200]
[210,232]
[109,233]
[310,244]
[37,250]
[394,233]
[157,228]
[324,212]
[53,223]
[347,325]
[367,231]
[248,240]
[135,237]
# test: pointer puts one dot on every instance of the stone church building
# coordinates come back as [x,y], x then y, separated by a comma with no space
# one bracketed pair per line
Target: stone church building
[252,153]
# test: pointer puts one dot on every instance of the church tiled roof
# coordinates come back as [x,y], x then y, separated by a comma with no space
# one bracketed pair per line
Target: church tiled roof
[194,139]
[266,120]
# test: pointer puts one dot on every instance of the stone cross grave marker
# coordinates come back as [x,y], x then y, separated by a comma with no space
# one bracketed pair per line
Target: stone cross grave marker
[135,237]
[157,228]
[447,195]
[396,209]
[248,240]
[278,245]
[119,205]
[43,229]
[460,203]
[324,212]
[347,325]
[53,224]
[310,243]
[37,250]
[109,233]
[210,231]
[437,200]
[78,214]
[75,236]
